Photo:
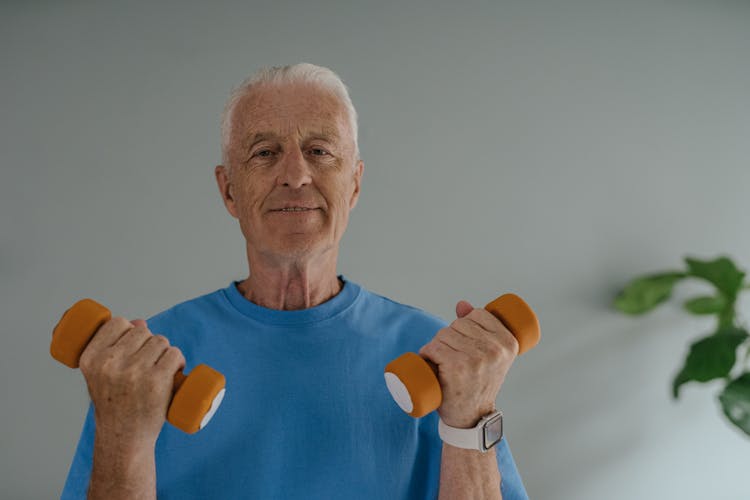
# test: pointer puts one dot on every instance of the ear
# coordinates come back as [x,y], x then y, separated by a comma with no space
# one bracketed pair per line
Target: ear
[224,183]
[359,169]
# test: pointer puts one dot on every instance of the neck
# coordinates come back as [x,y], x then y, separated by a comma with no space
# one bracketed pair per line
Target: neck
[291,287]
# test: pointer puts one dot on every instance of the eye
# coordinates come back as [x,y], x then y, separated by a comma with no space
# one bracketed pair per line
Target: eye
[263,153]
[318,152]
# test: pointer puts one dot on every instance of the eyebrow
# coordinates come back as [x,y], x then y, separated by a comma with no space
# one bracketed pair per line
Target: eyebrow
[260,136]
[326,134]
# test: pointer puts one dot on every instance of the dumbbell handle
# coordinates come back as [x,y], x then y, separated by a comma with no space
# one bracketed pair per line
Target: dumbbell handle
[195,397]
[413,380]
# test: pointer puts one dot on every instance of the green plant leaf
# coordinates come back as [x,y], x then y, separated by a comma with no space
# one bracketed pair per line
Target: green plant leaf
[721,272]
[735,401]
[646,292]
[710,358]
[706,305]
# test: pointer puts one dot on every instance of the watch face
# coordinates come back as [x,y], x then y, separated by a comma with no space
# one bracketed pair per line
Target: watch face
[493,431]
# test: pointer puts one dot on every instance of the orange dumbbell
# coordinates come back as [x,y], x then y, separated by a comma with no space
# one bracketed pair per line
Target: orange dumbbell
[195,397]
[413,381]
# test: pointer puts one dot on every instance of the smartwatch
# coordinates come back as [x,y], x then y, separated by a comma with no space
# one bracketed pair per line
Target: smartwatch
[482,437]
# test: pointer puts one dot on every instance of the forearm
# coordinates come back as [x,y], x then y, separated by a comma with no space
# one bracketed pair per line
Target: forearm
[469,474]
[121,471]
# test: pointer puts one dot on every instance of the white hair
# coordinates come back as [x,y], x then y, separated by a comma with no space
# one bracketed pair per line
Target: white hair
[320,76]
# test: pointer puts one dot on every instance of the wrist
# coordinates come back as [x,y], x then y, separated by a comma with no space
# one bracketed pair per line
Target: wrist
[468,420]
[121,433]
[484,435]
[114,442]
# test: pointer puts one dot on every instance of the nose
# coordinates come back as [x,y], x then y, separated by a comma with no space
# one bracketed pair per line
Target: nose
[295,172]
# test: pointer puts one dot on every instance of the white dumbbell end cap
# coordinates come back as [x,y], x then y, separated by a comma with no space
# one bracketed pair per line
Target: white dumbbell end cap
[399,392]
[214,406]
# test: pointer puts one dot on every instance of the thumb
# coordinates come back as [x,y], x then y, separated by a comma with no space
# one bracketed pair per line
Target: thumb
[463,307]
[139,322]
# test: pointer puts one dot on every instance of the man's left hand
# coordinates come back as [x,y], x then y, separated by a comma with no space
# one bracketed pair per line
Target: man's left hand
[473,354]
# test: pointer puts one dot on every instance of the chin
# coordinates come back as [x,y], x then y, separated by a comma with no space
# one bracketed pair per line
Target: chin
[300,248]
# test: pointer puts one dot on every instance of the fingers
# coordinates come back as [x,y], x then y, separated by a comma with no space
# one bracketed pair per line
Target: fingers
[139,322]
[450,345]
[482,326]
[132,340]
[474,337]
[481,318]
[129,340]
[151,350]
[473,355]
[459,341]
[109,333]
[155,350]
[171,361]
[440,352]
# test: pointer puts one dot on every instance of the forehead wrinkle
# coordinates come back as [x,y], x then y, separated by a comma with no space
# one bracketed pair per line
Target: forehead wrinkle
[325,133]
[315,123]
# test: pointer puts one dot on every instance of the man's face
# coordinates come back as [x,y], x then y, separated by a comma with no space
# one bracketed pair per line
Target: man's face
[291,146]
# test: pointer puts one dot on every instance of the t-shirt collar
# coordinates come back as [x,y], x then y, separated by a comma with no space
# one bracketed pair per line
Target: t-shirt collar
[333,306]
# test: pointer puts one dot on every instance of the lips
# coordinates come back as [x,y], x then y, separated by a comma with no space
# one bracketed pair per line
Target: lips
[308,206]
[294,209]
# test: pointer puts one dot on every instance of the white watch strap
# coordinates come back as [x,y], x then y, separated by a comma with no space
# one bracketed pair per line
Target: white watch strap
[461,438]
[490,427]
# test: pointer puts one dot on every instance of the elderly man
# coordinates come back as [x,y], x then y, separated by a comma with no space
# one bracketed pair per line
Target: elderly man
[306,413]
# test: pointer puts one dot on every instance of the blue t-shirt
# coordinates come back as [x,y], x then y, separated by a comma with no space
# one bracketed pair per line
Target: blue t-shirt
[306,414]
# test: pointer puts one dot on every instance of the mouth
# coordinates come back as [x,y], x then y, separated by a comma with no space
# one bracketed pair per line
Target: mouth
[294,210]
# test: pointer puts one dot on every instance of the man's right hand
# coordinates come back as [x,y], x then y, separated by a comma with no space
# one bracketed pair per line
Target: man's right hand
[130,374]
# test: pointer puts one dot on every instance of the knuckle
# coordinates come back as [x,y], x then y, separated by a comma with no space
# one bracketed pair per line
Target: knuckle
[433,352]
[429,351]
[136,336]
[478,315]
[143,335]
[131,376]
[512,343]
[107,363]
[119,322]
[179,354]
[447,332]
[175,354]
[84,361]
[477,358]
[104,371]
[160,340]
[90,362]
[494,350]
[139,329]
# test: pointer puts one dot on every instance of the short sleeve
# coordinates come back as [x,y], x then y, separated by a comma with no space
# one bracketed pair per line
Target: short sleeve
[511,486]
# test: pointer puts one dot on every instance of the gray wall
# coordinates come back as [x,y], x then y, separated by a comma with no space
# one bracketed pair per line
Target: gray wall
[555,149]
